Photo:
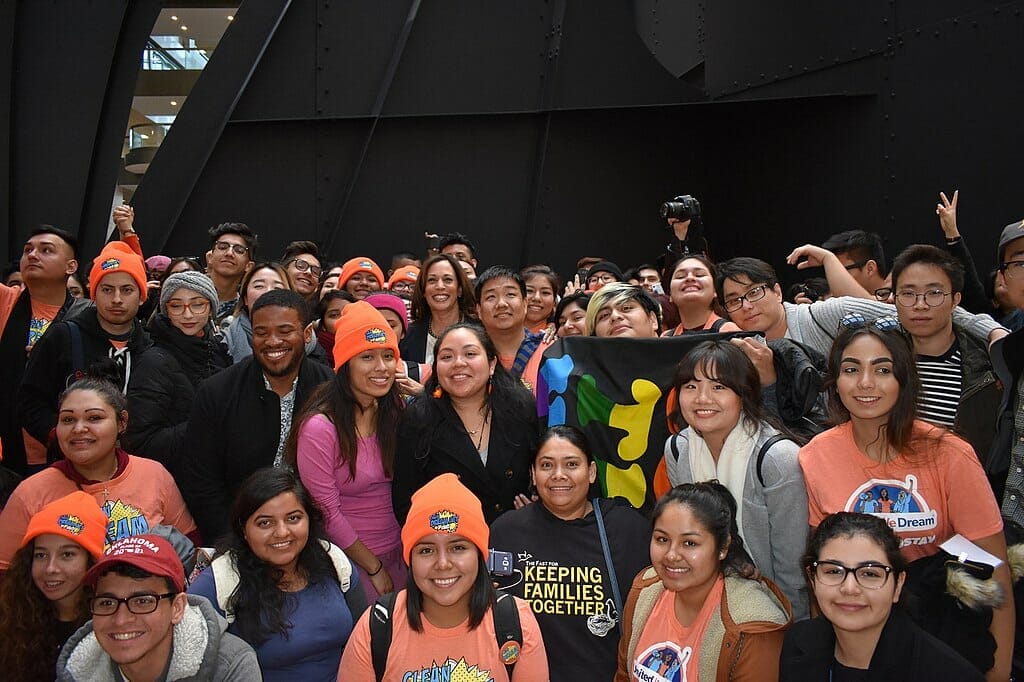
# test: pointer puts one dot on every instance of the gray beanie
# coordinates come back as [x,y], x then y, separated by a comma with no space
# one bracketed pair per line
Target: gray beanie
[190,279]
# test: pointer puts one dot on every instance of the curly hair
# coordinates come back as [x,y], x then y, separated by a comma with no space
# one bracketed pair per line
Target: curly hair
[28,642]
[261,609]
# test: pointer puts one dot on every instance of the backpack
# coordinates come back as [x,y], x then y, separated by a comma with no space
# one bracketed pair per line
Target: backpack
[760,453]
[507,631]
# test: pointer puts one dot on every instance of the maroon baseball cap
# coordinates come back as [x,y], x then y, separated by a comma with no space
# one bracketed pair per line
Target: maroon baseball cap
[150,553]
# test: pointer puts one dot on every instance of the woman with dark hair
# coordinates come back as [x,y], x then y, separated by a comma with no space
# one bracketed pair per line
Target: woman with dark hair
[442,297]
[692,290]
[567,530]
[258,281]
[473,419]
[857,575]
[42,600]
[136,493]
[729,437]
[542,286]
[692,610]
[878,443]
[449,613]
[186,351]
[571,314]
[344,448]
[328,311]
[283,588]
[182,264]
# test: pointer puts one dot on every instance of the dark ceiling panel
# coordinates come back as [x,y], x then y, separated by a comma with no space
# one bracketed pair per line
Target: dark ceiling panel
[673,31]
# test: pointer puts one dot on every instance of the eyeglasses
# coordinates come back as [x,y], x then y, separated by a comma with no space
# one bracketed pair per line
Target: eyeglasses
[239,249]
[305,266]
[178,308]
[886,323]
[908,299]
[856,266]
[601,278]
[405,287]
[883,293]
[871,576]
[139,604]
[754,294]
[1012,269]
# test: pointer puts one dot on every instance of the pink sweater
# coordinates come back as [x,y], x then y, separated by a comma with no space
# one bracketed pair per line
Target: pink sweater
[353,510]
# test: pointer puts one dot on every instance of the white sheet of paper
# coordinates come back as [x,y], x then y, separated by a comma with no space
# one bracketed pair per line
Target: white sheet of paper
[958,545]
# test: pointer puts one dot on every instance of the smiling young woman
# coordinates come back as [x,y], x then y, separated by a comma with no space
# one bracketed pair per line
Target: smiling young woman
[726,427]
[933,482]
[284,589]
[446,612]
[692,610]
[857,574]
[561,534]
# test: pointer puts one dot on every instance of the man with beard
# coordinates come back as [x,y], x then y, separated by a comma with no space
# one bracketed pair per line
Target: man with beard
[241,416]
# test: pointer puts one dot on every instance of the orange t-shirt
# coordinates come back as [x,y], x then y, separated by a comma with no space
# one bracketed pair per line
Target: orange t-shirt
[42,316]
[667,651]
[444,653]
[930,496]
[143,496]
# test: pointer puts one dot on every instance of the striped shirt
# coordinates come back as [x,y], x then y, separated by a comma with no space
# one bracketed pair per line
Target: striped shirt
[941,385]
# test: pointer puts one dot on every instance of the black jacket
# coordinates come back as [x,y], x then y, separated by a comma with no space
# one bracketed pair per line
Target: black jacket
[51,366]
[162,387]
[13,359]
[413,345]
[433,441]
[904,652]
[233,431]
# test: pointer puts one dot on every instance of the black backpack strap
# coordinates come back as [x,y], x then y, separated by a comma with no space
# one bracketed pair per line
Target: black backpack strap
[380,632]
[507,630]
[673,447]
[718,324]
[77,349]
[763,451]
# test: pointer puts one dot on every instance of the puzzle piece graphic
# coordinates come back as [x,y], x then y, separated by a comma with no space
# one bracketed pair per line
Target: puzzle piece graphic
[555,373]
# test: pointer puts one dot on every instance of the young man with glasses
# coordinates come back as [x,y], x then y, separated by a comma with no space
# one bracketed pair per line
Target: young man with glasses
[231,255]
[144,627]
[862,255]
[958,387]
[302,261]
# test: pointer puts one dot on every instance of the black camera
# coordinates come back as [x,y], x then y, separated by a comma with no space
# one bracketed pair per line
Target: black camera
[683,207]
[499,564]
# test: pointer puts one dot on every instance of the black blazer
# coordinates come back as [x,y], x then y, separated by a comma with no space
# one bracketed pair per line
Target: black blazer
[433,441]
[905,652]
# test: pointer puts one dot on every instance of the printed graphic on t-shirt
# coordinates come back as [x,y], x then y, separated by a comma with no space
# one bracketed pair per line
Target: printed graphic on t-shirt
[559,590]
[124,521]
[449,671]
[662,662]
[901,505]
[36,327]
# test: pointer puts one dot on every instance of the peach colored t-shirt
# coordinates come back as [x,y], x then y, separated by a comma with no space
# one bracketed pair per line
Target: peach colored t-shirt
[444,653]
[668,651]
[930,496]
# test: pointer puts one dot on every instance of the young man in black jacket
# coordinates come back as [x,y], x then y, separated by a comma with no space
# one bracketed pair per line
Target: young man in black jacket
[241,416]
[117,283]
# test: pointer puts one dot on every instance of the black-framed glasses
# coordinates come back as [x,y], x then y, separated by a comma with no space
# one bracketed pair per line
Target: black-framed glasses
[908,299]
[178,307]
[402,286]
[305,266]
[601,278]
[886,323]
[855,266]
[139,604]
[1012,269]
[883,293]
[868,575]
[223,247]
[753,294]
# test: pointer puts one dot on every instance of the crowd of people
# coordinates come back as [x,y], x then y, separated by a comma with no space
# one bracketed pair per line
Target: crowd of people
[297,469]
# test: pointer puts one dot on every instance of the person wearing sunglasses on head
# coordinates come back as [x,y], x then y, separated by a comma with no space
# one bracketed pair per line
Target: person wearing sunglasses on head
[186,351]
[231,255]
[302,261]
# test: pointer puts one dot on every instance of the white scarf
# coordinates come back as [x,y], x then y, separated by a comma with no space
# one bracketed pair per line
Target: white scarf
[731,469]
